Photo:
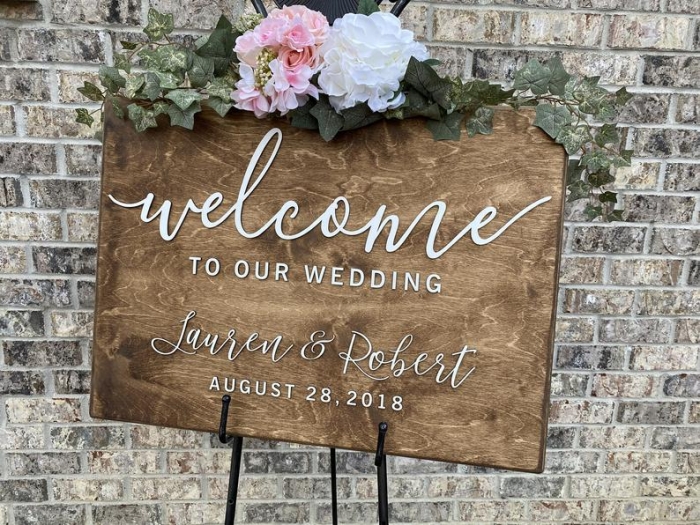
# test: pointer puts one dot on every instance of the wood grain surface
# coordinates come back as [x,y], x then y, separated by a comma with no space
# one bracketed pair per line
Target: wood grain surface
[498,299]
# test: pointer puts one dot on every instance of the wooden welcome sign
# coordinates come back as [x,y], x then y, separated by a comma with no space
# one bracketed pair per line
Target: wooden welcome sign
[330,286]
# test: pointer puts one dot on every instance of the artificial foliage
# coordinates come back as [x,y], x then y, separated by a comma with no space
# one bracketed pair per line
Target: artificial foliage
[164,76]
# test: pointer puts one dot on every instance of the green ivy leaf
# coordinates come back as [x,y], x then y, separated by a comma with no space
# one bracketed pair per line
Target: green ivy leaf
[111,78]
[82,116]
[302,117]
[221,88]
[367,7]
[161,107]
[534,77]
[600,178]
[183,117]
[573,138]
[151,87]
[129,46]
[574,171]
[201,71]
[219,105]
[359,116]
[168,80]
[133,84]
[552,119]
[91,91]
[329,122]
[159,25]
[559,78]
[424,79]
[449,128]
[116,107]
[219,46]
[184,98]
[141,118]
[595,161]
[607,135]
[608,196]
[615,215]
[625,158]
[122,62]
[578,190]
[481,122]
[172,58]
[592,212]
[622,97]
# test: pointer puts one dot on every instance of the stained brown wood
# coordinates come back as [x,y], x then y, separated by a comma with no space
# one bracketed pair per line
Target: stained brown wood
[497,298]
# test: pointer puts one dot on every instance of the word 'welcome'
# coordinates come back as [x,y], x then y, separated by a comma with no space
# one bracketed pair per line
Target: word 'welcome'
[332,221]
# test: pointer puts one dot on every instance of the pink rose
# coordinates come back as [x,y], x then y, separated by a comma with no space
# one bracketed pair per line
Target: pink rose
[247,48]
[297,36]
[269,33]
[293,59]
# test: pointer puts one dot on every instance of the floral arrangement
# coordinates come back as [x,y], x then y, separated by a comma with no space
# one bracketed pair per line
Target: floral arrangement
[362,69]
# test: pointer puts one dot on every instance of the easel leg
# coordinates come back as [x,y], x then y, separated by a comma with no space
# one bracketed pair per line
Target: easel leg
[334,489]
[236,454]
[380,462]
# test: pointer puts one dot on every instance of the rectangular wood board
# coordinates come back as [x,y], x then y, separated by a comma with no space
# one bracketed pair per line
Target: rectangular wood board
[453,349]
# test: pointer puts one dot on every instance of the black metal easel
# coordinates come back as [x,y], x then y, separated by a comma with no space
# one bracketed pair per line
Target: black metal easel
[236,443]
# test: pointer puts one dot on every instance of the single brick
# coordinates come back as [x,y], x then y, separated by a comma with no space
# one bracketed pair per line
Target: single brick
[65,260]
[8,36]
[77,437]
[27,159]
[24,84]
[402,465]
[7,120]
[683,6]
[565,411]
[70,81]
[581,270]
[543,511]
[569,385]
[603,487]
[38,514]
[645,109]
[532,487]
[126,513]
[453,60]
[61,193]
[655,302]
[187,513]
[650,272]
[21,383]
[21,11]
[682,177]
[650,412]
[170,487]
[60,45]
[688,331]
[57,123]
[80,489]
[86,294]
[23,490]
[678,72]
[688,111]
[675,241]
[622,5]
[266,488]
[612,437]
[694,415]
[622,385]
[82,227]
[83,160]
[111,462]
[649,31]
[41,354]
[460,25]
[638,176]
[682,385]
[579,29]
[688,462]
[574,330]
[492,511]
[143,436]
[13,259]
[664,358]
[40,292]
[638,462]
[42,463]
[21,323]
[415,18]
[115,12]
[421,512]
[590,357]
[666,143]
[682,510]
[675,438]
[560,437]
[463,487]
[72,381]
[630,511]
[635,330]
[41,410]
[609,239]
[667,486]
[658,208]
[22,437]
[694,273]
[29,226]
[71,324]
[607,302]
[10,192]
[572,462]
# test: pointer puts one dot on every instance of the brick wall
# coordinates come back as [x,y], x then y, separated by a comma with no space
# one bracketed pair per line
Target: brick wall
[624,441]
